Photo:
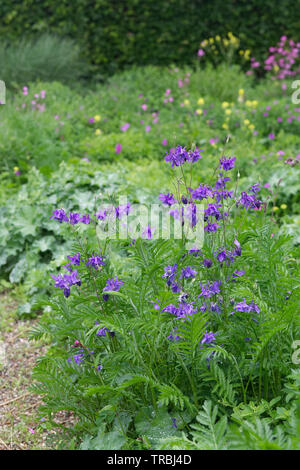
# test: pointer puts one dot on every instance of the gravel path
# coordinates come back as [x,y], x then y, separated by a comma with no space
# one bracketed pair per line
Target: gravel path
[21,427]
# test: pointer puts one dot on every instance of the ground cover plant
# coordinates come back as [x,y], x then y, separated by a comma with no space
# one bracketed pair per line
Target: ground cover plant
[148,342]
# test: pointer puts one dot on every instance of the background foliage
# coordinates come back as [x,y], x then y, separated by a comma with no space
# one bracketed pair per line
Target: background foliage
[115,34]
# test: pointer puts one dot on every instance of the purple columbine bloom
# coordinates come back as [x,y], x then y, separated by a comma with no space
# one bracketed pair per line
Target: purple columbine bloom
[101,215]
[208,338]
[207,263]
[211,227]
[60,215]
[113,285]
[77,358]
[170,272]
[147,233]
[237,251]
[202,192]
[156,304]
[188,272]
[122,210]
[177,157]
[227,164]
[75,259]
[194,156]
[167,199]
[174,425]
[85,219]
[96,261]
[74,218]
[243,307]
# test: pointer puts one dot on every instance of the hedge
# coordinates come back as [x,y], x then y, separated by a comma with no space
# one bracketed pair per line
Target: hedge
[116,33]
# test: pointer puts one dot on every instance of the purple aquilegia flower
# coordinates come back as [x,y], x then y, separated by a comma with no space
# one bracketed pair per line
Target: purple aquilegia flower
[77,358]
[243,307]
[122,210]
[210,289]
[194,156]
[177,157]
[66,281]
[156,304]
[237,251]
[188,272]
[60,215]
[74,218]
[75,259]
[248,201]
[85,219]
[113,285]
[101,215]
[147,233]
[167,199]
[254,188]
[173,336]
[203,192]
[211,227]
[208,338]
[96,261]
[174,424]
[170,272]
[227,164]
[207,263]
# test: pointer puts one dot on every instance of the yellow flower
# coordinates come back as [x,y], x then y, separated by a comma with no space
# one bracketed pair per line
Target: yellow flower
[218,38]
[227,111]
[199,111]
[283,206]
[98,131]
[211,40]
[226,42]
[200,101]
[251,127]
[246,122]
[225,126]
[241,91]
[247,54]
[204,43]
[275,208]
[16,168]
[97,118]
[186,102]
[225,104]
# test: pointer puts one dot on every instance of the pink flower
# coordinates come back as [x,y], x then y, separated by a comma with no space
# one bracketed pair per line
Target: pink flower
[180,83]
[164,142]
[25,90]
[148,128]
[168,91]
[118,148]
[144,107]
[125,127]
[91,120]
[201,53]
[43,94]
[271,136]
